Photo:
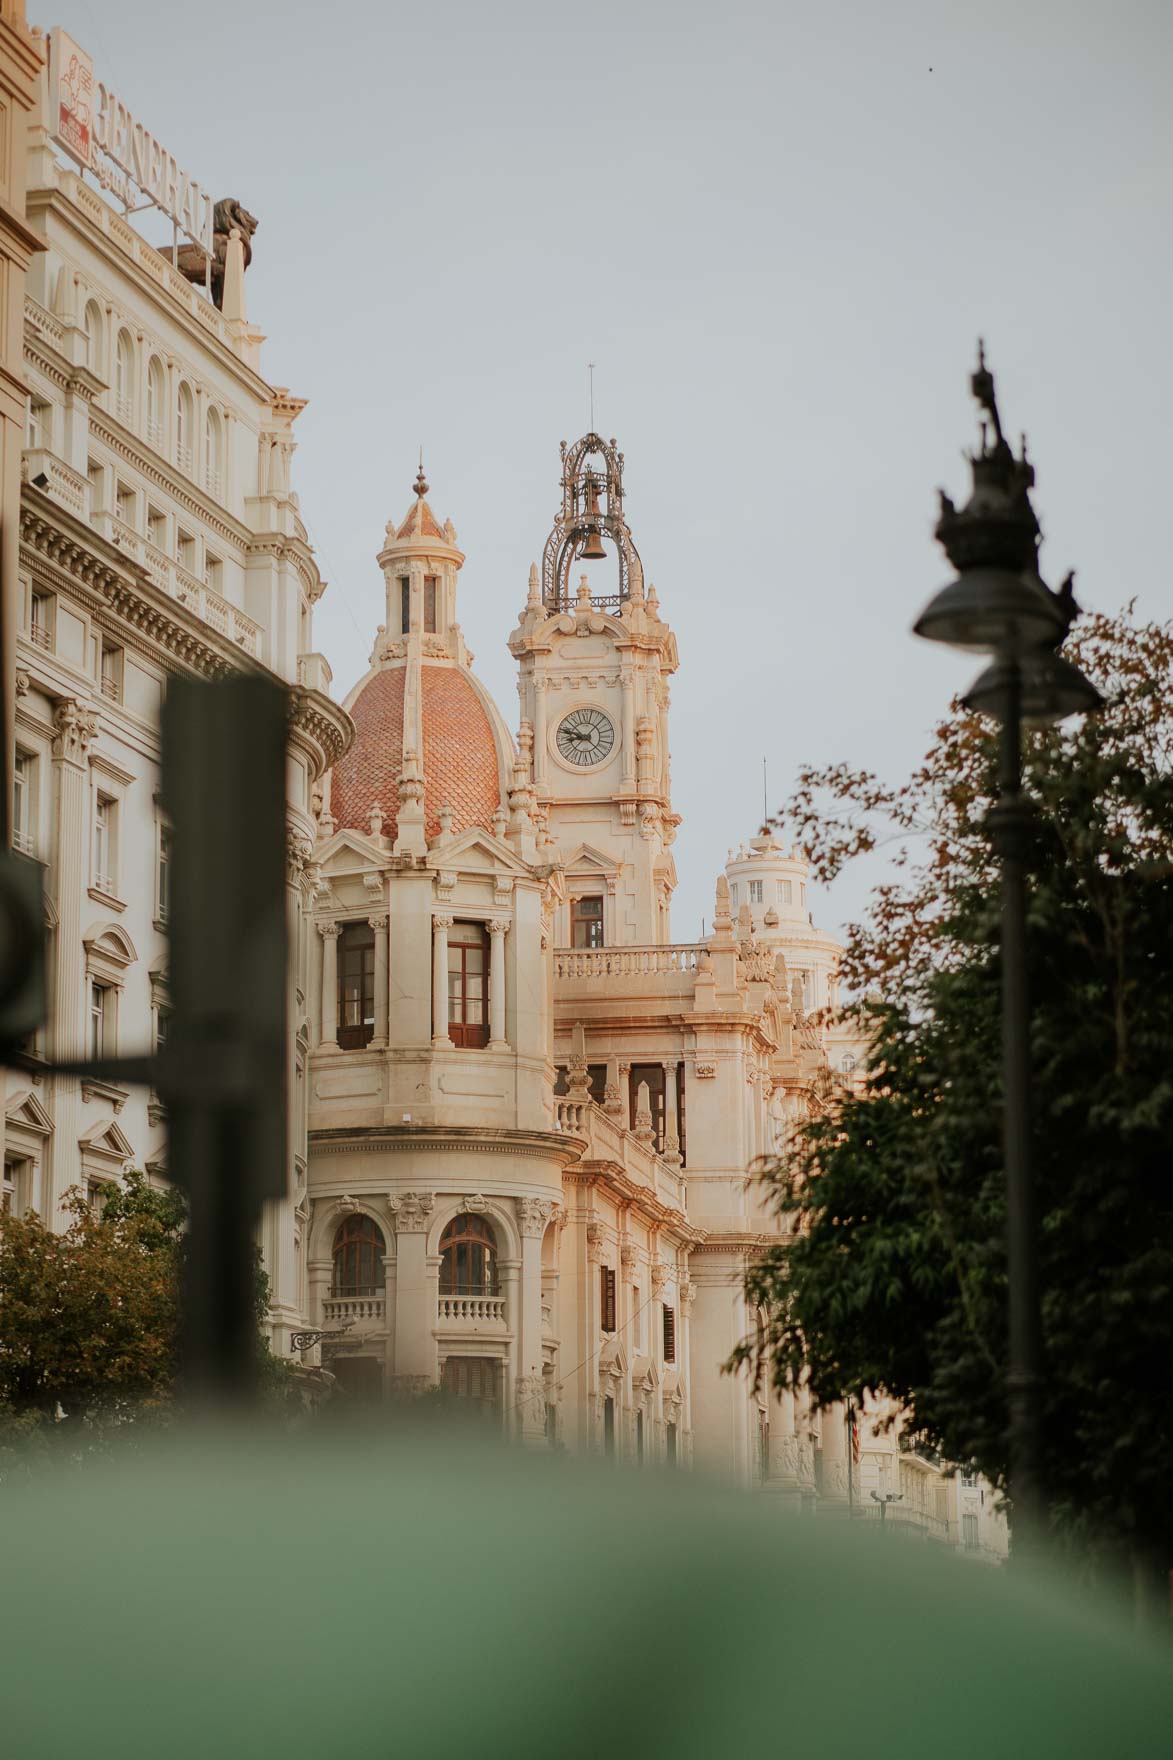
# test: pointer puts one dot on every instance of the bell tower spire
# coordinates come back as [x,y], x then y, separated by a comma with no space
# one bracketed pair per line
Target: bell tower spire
[594,668]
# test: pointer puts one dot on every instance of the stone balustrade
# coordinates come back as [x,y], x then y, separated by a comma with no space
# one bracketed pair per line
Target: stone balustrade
[608,1141]
[472,1313]
[627,962]
[336,1309]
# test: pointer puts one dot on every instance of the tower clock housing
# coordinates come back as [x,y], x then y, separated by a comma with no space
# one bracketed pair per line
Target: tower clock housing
[595,659]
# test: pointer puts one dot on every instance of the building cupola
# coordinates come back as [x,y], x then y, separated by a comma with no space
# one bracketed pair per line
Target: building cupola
[591,515]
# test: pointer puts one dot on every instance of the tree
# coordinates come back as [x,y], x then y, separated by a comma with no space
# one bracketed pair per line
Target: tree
[90,1318]
[892,1271]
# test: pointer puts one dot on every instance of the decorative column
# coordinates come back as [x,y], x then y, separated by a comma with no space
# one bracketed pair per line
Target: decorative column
[73,730]
[782,1462]
[686,1289]
[533,1214]
[329,933]
[415,1317]
[540,754]
[440,928]
[671,1115]
[498,929]
[379,925]
[628,729]
[833,1428]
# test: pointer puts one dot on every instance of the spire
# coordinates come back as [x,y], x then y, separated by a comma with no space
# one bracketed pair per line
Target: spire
[420,485]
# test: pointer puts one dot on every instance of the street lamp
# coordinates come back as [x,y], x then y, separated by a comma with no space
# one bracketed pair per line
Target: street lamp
[1000,605]
[884,1500]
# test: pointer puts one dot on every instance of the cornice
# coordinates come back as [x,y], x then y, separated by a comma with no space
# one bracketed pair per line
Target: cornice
[121,587]
[319,719]
[539,1145]
[179,488]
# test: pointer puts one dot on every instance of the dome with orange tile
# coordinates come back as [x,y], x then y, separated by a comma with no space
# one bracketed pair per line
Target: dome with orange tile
[460,760]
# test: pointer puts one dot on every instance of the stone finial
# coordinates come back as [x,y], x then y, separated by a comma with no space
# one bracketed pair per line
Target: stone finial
[578,1080]
[411,839]
[771,918]
[534,596]
[375,820]
[445,816]
[500,821]
[745,922]
[796,995]
[643,1115]
[584,594]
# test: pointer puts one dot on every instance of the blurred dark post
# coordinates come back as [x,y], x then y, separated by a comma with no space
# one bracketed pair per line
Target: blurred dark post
[1000,605]
[222,1074]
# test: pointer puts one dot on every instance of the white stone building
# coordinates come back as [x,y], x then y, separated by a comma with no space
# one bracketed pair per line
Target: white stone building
[158,534]
[521,1114]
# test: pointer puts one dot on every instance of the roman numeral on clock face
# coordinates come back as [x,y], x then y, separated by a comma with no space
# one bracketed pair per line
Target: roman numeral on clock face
[586,737]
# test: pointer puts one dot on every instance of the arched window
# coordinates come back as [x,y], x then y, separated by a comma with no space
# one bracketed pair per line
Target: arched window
[214,471]
[358,1258]
[124,378]
[184,426]
[156,394]
[468,1258]
[95,337]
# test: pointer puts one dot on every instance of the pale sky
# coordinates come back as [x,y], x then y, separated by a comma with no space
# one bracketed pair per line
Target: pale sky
[778,230]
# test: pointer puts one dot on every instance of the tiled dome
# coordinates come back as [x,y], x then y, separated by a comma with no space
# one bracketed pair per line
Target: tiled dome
[459,759]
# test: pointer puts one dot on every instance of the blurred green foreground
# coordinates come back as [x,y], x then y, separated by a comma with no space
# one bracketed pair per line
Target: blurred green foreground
[435,1594]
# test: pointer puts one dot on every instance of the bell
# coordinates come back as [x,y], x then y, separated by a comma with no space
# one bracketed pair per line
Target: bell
[593,548]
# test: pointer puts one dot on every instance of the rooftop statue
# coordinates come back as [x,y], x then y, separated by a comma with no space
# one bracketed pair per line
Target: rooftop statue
[191,259]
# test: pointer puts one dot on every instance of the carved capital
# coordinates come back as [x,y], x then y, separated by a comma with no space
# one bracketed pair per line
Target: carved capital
[687,1296]
[73,730]
[659,1276]
[22,682]
[532,1216]
[499,926]
[628,1258]
[596,1242]
[378,923]
[411,1210]
[443,922]
[329,931]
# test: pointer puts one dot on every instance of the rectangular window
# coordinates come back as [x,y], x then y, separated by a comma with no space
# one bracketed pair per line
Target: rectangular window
[969,1480]
[404,604]
[468,985]
[104,827]
[969,1533]
[124,504]
[18,1184]
[97,1195]
[185,550]
[607,1298]
[24,780]
[214,574]
[586,922]
[41,619]
[755,891]
[639,1437]
[40,423]
[669,1334]
[430,585]
[157,528]
[95,474]
[356,986]
[786,891]
[670,1444]
[609,1425]
[99,1020]
[162,874]
[111,672]
[477,1379]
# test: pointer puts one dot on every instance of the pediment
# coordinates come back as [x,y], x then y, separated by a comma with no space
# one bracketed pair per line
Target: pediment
[477,851]
[111,941]
[106,1139]
[613,1360]
[644,1374]
[331,855]
[588,860]
[26,1111]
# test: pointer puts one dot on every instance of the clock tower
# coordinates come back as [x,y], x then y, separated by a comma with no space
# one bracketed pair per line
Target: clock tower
[595,658]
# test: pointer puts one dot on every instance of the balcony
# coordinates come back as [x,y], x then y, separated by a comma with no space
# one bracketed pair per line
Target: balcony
[608,1142]
[357,1310]
[627,962]
[471,1313]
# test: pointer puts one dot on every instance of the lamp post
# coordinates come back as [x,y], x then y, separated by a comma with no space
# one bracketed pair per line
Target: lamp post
[1000,605]
[884,1500]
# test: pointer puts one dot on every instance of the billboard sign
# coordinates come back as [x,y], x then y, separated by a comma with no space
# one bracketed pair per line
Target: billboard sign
[104,137]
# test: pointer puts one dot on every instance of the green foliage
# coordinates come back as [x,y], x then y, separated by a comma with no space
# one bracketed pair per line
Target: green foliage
[892,1274]
[89,1317]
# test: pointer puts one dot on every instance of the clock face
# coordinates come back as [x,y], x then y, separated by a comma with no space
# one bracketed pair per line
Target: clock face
[586,737]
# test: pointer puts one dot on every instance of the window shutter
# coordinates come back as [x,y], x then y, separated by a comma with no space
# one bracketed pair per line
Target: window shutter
[669,1334]
[608,1298]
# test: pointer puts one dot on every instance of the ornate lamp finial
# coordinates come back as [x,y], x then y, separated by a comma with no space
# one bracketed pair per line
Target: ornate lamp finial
[420,485]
